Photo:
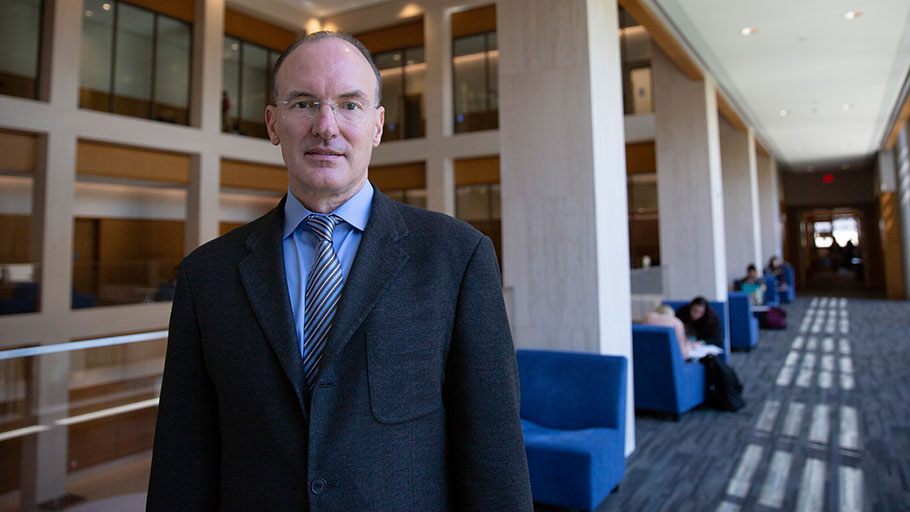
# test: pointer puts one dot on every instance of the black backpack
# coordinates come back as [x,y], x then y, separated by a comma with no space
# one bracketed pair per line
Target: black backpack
[723,390]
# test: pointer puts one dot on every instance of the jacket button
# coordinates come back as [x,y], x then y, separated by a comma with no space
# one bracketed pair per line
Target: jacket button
[318,486]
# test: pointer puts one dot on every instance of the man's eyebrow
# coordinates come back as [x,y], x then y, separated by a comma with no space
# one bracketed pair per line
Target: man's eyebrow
[357,93]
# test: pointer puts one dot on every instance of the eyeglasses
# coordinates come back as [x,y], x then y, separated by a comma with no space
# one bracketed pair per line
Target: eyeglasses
[306,109]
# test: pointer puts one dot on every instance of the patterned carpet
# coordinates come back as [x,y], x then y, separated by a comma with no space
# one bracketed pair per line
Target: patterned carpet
[826,425]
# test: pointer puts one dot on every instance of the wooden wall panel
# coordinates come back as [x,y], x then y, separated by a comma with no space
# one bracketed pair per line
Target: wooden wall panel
[641,157]
[474,21]
[399,177]
[99,159]
[14,238]
[18,151]
[892,253]
[392,38]
[257,31]
[237,174]
[476,171]
[180,9]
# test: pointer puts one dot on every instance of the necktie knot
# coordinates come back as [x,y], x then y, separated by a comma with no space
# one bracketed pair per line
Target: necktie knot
[322,225]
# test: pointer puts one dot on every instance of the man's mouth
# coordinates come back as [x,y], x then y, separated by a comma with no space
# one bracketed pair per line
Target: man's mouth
[323,152]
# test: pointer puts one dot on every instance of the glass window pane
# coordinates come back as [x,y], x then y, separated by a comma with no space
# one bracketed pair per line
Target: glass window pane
[470,79]
[493,80]
[133,63]
[254,77]
[389,64]
[230,84]
[172,71]
[19,265]
[95,55]
[415,85]
[640,82]
[20,29]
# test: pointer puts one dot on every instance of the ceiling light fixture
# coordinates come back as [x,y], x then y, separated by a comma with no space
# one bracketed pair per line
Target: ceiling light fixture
[846,106]
[748,31]
[784,112]
[106,6]
[852,15]
[89,13]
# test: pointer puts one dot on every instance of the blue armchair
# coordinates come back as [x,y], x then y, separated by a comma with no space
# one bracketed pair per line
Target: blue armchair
[789,294]
[743,324]
[721,308]
[664,382]
[573,414]
[771,297]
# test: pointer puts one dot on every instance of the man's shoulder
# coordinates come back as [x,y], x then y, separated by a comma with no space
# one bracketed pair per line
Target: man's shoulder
[232,243]
[427,223]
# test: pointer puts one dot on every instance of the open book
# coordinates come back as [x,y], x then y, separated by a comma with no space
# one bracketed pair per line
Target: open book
[703,349]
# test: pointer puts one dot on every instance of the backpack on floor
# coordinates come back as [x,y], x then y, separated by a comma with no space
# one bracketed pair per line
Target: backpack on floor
[723,388]
[774,318]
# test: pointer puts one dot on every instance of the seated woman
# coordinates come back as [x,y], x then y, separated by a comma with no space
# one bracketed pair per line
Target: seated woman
[663,316]
[701,321]
[776,267]
[753,284]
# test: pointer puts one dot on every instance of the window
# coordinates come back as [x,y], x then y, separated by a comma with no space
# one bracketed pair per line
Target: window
[247,84]
[475,64]
[19,265]
[403,75]
[135,62]
[478,199]
[20,35]
[635,48]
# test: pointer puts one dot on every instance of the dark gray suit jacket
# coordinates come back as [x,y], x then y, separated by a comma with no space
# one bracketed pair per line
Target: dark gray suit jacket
[416,406]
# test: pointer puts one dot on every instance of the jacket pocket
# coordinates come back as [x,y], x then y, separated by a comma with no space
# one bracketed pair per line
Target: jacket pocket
[405,371]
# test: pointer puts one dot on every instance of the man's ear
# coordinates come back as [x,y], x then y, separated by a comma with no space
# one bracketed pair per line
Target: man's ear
[380,120]
[271,118]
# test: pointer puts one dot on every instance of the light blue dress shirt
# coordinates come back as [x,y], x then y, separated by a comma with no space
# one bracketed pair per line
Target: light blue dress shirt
[299,244]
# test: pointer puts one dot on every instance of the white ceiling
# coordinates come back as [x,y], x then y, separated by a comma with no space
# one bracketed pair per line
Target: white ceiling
[839,80]
[807,59]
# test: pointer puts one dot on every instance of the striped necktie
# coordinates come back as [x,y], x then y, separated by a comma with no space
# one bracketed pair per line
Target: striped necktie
[323,288]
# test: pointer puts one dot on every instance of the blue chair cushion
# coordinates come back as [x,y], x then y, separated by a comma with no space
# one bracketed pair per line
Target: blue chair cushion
[573,468]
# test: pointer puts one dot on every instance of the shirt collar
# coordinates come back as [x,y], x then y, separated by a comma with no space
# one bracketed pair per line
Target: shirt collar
[355,211]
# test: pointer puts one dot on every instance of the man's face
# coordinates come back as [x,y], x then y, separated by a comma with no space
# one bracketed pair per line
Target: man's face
[696,311]
[327,155]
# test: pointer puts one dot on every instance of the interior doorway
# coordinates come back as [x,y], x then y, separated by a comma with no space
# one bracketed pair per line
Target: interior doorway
[834,252]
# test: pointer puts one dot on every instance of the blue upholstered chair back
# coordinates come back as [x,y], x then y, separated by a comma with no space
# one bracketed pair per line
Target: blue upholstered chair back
[742,332]
[723,314]
[771,298]
[572,390]
[790,278]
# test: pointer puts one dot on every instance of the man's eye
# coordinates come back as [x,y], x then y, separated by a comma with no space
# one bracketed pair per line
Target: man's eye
[302,104]
[351,105]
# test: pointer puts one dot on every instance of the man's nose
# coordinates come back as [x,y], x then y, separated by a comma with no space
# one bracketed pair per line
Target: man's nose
[325,124]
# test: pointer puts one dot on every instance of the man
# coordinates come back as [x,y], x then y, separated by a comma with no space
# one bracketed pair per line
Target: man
[344,352]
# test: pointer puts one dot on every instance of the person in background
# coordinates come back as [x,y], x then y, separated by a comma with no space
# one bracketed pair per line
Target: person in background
[701,321]
[777,267]
[753,284]
[663,315]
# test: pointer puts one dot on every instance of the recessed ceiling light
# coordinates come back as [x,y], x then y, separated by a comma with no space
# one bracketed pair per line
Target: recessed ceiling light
[748,31]
[846,106]
[89,13]
[852,15]
[784,112]
[106,6]
[235,46]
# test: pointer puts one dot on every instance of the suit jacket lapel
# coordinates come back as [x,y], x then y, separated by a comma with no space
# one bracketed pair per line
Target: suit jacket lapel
[379,258]
[265,281]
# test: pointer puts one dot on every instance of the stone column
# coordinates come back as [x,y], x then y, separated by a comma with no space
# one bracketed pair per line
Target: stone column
[204,187]
[689,188]
[438,49]
[740,185]
[769,207]
[565,230]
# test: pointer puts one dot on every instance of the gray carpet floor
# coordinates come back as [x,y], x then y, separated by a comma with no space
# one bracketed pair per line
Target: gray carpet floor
[826,425]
